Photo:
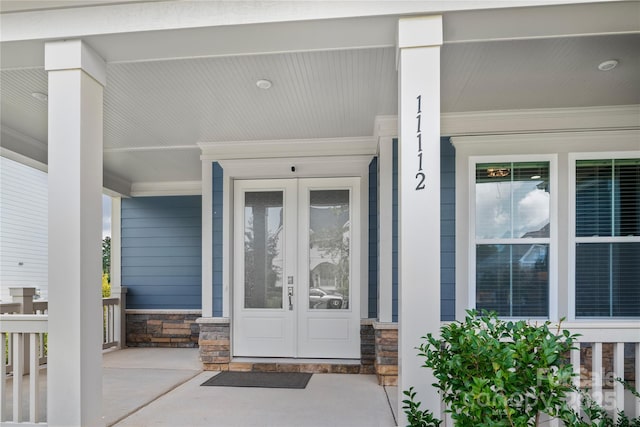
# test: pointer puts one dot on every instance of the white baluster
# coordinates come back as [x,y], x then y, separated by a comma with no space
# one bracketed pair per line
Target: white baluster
[34,378]
[3,378]
[618,372]
[18,369]
[596,373]
[575,361]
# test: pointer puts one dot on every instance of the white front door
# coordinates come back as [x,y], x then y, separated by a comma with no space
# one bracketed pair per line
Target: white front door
[296,273]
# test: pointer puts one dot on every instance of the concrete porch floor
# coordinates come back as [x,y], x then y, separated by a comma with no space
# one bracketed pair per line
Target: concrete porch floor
[161,387]
[329,399]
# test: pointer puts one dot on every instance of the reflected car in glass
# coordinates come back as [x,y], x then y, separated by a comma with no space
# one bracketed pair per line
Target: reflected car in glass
[319,298]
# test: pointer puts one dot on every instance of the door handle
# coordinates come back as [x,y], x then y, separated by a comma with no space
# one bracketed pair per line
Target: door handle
[290,293]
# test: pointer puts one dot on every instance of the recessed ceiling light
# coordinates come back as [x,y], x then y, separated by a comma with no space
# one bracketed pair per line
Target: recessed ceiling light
[608,65]
[264,84]
[40,96]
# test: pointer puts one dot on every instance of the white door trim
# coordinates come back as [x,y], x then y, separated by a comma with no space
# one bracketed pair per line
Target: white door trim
[302,331]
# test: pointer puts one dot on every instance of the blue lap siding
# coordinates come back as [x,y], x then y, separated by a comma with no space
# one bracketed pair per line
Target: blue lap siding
[217,207]
[447,230]
[373,238]
[162,252]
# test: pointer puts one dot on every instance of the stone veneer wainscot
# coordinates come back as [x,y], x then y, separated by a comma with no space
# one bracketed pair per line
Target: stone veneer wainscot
[162,328]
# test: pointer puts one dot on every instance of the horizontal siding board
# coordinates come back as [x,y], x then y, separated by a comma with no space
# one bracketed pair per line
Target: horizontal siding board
[177,231]
[174,271]
[166,251]
[151,213]
[162,252]
[162,261]
[150,242]
[185,221]
[139,282]
[158,302]
[23,228]
[182,290]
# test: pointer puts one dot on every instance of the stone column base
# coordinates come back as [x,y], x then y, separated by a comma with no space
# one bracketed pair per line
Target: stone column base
[386,346]
[215,343]
[162,328]
[367,347]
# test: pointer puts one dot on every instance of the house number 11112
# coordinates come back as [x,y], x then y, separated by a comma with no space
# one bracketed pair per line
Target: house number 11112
[420,177]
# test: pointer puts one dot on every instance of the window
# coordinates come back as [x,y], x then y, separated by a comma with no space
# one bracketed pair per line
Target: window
[607,237]
[512,238]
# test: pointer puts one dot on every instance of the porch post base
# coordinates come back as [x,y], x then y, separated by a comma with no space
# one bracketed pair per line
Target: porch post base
[386,346]
[215,343]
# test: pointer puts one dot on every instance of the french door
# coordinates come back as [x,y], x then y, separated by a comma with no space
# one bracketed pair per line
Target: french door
[296,268]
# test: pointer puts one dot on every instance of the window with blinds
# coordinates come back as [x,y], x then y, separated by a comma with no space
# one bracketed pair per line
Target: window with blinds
[607,238]
[512,238]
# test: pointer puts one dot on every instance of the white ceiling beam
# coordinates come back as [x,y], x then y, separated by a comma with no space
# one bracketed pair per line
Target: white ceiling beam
[223,150]
[170,30]
[541,120]
[173,15]
[542,22]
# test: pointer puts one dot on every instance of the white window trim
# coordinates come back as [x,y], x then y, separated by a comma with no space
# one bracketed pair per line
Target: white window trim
[571,222]
[553,217]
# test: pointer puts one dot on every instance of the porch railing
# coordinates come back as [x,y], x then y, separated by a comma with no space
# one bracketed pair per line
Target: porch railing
[23,344]
[20,329]
[607,351]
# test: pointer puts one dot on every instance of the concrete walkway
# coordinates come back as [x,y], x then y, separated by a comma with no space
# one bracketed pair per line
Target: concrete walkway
[168,382]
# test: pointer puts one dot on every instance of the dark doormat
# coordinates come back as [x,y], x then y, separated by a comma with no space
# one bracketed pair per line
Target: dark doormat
[259,379]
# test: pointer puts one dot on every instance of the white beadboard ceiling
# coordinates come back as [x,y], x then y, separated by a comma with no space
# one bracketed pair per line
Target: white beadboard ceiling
[163,108]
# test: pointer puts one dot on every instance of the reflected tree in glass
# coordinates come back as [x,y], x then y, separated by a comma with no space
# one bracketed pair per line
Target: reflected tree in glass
[262,249]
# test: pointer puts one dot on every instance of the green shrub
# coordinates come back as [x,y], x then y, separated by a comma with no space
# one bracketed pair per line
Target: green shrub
[492,372]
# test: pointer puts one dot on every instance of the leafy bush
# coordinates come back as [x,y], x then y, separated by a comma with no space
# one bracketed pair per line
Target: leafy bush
[492,372]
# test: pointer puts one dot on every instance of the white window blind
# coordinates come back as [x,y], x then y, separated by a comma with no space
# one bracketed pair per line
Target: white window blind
[607,238]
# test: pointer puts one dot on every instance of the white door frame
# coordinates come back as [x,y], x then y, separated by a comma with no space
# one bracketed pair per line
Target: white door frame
[296,329]
[347,162]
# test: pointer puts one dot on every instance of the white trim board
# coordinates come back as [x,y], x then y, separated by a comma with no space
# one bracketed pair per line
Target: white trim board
[298,167]
[169,188]
[225,150]
[473,123]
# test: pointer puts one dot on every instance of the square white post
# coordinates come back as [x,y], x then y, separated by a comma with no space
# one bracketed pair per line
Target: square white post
[76,79]
[207,238]
[419,41]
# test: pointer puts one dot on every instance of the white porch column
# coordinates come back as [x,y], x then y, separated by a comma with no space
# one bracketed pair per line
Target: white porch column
[207,239]
[76,79]
[419,41]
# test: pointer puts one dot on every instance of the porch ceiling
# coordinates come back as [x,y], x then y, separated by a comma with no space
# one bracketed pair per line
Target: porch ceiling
[156,110]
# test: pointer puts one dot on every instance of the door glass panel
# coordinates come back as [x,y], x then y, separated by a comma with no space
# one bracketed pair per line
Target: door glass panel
[263,254]
[329,244]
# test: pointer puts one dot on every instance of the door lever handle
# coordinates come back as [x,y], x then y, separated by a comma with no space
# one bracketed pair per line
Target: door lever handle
[290,293]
